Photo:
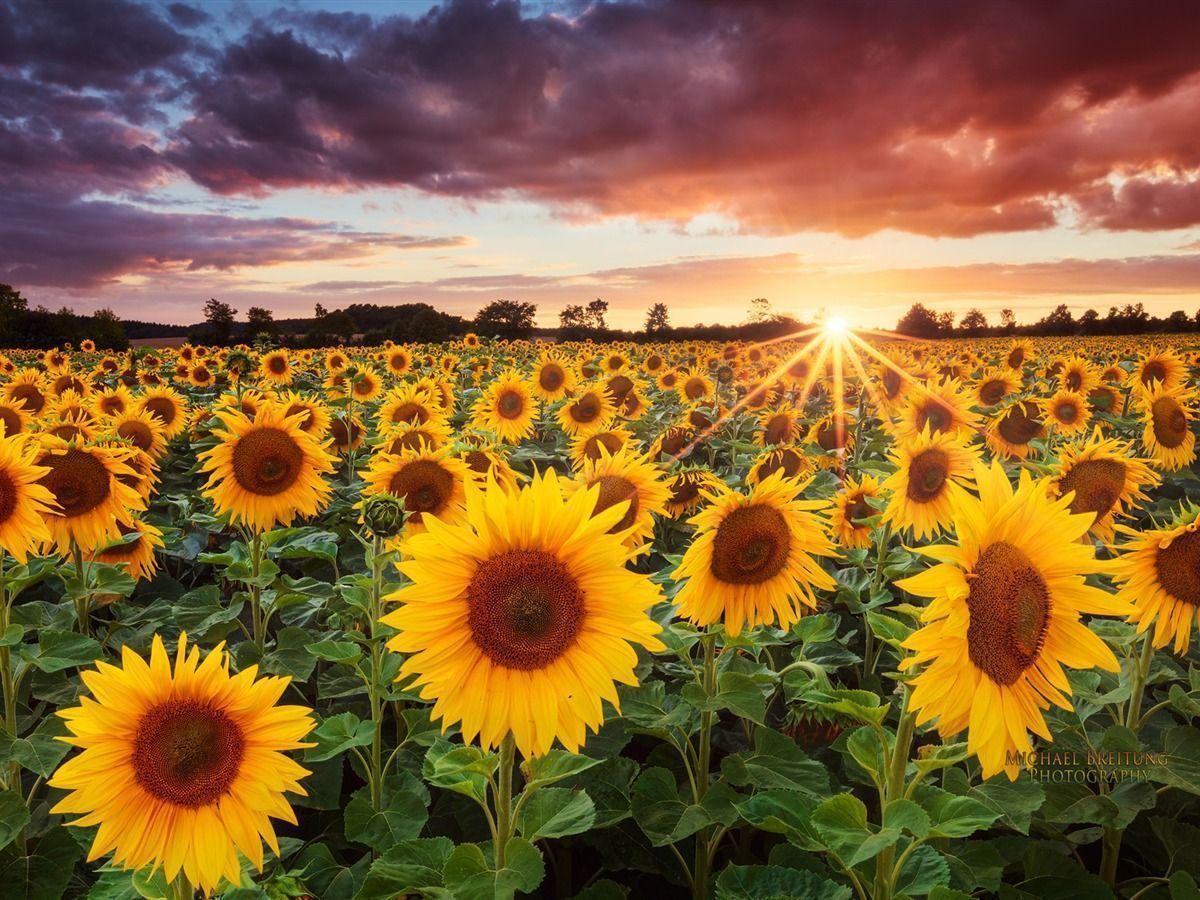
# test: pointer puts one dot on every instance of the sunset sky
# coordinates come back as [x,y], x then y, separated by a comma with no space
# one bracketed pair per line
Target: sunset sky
[840,155]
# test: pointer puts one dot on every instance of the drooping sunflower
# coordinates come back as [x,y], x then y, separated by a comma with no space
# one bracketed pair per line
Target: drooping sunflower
[347,433]
[24,500]
[520,618]
[1168,435]
[850,506]
[1158,571]
[1011,433]
[27,389]
[181,768]
[620,478]
[1163,366]
[90,499]
[432,483]
[755,557]
[586,413]
[506,409]
[276,368]
[14,419]
[1068,411]
[266,471]
[168,407]
[134,550]
[941,406]
[931,473]
[1004,618]
[688,488]
[1105,478]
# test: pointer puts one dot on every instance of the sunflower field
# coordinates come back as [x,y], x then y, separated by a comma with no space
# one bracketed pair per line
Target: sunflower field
[836,617]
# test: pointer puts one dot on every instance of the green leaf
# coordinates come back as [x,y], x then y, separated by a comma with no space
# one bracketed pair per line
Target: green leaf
[342,652]
[337,734]
[891,631]
[463,769]
[953,815]
[783,812]
[1015,801]
[410,867]
[39,752]
[906,815]
[555,812]
[924,871]
[841,821]
[736,692]
[469,875]
[775,882]
[665,818]
[59,650]
[13,817]
[290,656]
[540,771]
[46,870]
[1182,886]
[776,762]
[402,817]
[200,611]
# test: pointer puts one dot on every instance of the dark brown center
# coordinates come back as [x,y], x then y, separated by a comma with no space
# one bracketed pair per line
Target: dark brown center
[138,433]
[1097,484]
[78,481]
[1178,568]
[187,753]
[751,545]
[586,409]
[510,404]
[613,490]
[1169,422]
[1154,371]
[8,497]
[992,391]
[778,429]
[934,414]
[927,475]
[551,377]
[1009,609]
[30,398]
[424,486]
[267,461]
[1019,426]
[162,408]
[10,422]
[525,609]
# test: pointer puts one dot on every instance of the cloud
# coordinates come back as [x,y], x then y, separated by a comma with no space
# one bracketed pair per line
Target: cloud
[104,240]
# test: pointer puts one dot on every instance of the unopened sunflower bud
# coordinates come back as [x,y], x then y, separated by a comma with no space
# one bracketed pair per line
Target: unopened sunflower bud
[384,515]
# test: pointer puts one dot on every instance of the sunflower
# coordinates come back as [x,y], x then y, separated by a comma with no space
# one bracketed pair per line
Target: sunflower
[593,446]
[693,386]
[994,385]
[265,471]
[779,426]
[26,389]
[832,433]
[168,407]
[1011,432]
[850,506]
[430,482]
[140,429]
[1078,375]
[506,409]
[520,618]
[789,460]
[471,340]
[1103,398]
[314,415]
[365,385]
[754,558]
[14,419]
[687,490]
[620,478]
[24,501]
[676,441]
[112,402]
[70,382]
[336,361]
[90,499]
[1104,477]
[134,550]
[410,436]
[653,362]
[1004,618]
[1068,411]
[409,404]
[398,361]
[941,406]
[931,471]
[1158,571]
[346,433]
[201,375]
[1162,366]
[1168,435]
[1019,353]
[276,368]
[181,768]
[488,461]
[586,413]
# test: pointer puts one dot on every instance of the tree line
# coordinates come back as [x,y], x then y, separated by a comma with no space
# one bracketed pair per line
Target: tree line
[1132,318]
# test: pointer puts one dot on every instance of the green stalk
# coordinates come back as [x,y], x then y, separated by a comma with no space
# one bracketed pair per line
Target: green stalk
[704,762]
[8,678]
[886,870]
[83,602]
[181,888]
[256,612]
[376,666]
[504,799]
[1110,854]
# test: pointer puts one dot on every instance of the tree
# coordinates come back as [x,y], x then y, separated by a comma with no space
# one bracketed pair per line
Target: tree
[13,308]
[260,321]
[974,323]
[920,321]
[1059,321]
[107,331]
[596,312]
[1008,321]
[220,320]
[510,319]
[319,311]
[1089,322]
[759,311]
[658,319]
[946,323]
[1178,321]
[573,316]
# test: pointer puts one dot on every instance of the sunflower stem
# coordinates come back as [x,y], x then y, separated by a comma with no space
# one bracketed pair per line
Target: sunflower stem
[376,666]
[256,613]
[504,799]
[181,888]
[8,682]
[703,851]
[886,870]
[1110,854]
[83,600]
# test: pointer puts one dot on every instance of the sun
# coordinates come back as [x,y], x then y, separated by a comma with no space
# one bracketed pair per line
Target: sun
[836,325]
